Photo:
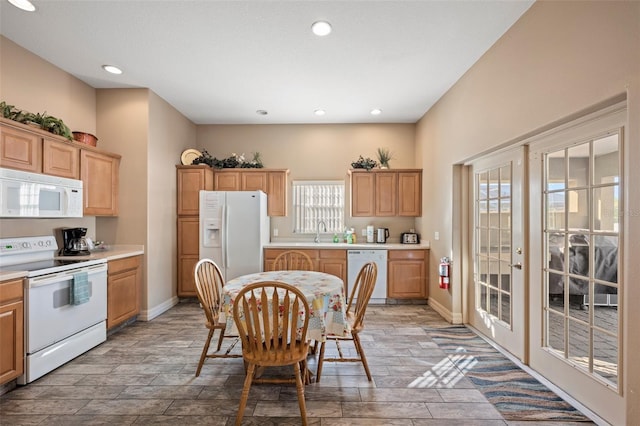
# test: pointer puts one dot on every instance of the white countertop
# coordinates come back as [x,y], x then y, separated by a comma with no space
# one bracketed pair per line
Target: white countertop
[345,246]
[112,253]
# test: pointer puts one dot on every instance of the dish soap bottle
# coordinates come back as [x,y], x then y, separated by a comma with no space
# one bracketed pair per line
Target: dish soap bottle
[335,238]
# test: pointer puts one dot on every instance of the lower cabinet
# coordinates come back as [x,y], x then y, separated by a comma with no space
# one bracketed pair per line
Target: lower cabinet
[11,330]
[330,261]
[123,289]
[188,255]
[407,274]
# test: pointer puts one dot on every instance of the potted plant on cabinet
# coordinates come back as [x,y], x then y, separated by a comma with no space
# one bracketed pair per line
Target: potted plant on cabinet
[384,156]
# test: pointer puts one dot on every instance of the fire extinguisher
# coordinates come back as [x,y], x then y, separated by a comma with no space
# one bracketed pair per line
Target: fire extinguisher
[443,271]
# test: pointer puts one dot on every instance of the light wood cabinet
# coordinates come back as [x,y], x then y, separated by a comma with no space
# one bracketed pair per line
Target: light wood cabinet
[124,278]
[60,159]
[407,274]
[188,254]
[20,149]
[386,193]
[271,182]
[190,180]
[99,172]
[11,330]
[330,261]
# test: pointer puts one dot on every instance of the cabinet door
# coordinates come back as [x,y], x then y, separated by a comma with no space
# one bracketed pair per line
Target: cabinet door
[123,290]
[334,262]
[227,180]
[20,149]
[191,180]
[11,330]
[99,174]
[362,194]
[410,194]
[277,193]
[60,159]
[254,181]
[406,274]
[11,341]
[386,193]
[188,254]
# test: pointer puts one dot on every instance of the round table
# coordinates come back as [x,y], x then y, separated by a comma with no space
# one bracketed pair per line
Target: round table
[324,292]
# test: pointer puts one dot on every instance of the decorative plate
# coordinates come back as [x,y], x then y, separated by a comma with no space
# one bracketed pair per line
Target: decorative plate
[189,155]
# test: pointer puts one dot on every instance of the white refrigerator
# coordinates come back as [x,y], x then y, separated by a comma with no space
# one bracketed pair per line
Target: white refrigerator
[234,227]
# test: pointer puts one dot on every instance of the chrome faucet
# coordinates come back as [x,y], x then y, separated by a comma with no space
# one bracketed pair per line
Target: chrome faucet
[324,225]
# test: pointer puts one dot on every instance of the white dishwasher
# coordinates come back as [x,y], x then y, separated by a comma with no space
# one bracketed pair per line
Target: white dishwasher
[356,259]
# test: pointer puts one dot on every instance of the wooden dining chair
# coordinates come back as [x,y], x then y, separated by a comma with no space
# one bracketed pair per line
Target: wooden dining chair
[272,334]
[356,308]
[293,260]
[209,283]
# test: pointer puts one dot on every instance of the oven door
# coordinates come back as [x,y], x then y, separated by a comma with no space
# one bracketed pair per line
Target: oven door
[50,317]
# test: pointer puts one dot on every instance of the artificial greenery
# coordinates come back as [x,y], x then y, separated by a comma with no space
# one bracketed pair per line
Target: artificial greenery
[47,122]
[364,163]
[384,156]
[233,162]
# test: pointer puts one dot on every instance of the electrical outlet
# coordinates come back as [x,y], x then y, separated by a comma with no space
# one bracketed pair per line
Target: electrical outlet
[363,232]
[436,235]
[275,232]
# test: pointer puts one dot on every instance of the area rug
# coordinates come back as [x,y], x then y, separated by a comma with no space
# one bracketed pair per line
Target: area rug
[515,393]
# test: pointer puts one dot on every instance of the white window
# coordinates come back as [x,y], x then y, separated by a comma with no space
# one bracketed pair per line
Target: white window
[315,201]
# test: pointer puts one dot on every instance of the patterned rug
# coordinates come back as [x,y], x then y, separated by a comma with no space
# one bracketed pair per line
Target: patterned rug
[514,393]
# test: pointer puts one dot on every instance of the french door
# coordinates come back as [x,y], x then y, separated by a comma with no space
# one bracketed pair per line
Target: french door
[497,296]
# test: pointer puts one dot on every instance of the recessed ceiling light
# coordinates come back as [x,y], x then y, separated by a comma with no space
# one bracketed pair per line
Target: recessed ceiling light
[376,111]
[112,69]
[23,4]
[261,112]
[321,28]
[319,112]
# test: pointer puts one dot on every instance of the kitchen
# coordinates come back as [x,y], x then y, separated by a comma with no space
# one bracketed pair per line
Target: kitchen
[147,143]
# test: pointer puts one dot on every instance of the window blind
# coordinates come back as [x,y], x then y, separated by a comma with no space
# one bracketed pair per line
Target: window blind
[315,201]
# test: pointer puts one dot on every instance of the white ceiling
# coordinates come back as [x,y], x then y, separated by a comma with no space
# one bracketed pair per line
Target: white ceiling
[218,62]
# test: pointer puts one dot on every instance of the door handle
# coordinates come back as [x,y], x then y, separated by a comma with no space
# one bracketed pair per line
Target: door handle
[516,265]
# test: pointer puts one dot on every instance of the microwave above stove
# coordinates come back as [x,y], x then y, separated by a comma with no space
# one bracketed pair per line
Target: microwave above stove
[25,194]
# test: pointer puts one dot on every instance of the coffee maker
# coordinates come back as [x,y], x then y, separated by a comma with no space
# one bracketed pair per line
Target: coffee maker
[74,242]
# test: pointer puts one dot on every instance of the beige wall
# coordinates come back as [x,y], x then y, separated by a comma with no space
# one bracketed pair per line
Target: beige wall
[314,152]
[30,83]
[170,133]
[560,58]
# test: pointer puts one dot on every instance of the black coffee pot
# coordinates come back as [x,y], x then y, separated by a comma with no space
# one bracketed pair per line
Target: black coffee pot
[74,242]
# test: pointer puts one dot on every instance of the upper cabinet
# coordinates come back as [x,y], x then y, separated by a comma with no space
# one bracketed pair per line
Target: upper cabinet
[99,172]
[38,151]
[20,148]
[192,179]
[60,159]
[384,192]
[273,182]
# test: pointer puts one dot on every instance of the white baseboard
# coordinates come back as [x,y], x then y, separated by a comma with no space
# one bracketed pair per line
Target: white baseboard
[453,318]
[149,314]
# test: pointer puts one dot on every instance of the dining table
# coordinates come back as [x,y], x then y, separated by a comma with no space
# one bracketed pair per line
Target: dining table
[324,293]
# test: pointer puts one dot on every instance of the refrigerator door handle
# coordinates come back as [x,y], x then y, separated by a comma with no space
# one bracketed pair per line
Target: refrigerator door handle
[225,242]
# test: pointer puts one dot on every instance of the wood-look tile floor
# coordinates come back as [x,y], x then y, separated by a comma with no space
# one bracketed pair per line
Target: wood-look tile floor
[145,374]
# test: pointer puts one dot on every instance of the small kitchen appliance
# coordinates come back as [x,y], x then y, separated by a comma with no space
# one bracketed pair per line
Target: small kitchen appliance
[381,235]
[74,242]
[370,234]
[410,237]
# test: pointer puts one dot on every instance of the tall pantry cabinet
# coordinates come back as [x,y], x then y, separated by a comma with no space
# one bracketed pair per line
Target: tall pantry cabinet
[191,179]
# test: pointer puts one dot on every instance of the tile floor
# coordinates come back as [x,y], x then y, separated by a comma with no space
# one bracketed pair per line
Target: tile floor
[144,374]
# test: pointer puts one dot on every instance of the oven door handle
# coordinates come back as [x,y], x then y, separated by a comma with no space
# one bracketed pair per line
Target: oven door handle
[64,276]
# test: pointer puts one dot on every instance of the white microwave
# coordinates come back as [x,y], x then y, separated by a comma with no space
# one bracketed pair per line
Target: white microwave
[24,194]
